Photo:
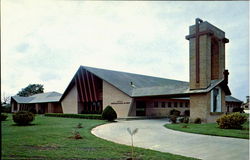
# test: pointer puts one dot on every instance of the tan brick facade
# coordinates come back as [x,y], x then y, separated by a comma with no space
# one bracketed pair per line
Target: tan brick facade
[69,103]
[211,67]
[205,56]
[117,99]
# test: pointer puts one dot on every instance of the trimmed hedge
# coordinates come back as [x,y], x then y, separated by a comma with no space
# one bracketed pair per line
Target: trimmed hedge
[68,115]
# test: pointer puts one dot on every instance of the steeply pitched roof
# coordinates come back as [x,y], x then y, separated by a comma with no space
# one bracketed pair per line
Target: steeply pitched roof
[139,85]
[136,85]
[39,98]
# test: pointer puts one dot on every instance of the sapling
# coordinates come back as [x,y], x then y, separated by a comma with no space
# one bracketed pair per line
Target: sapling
[132,133]
[76,134]
[79,125]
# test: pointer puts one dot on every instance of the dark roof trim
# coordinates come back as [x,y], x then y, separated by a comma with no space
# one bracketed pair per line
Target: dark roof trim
[72,82]
[70,85]
[105,80]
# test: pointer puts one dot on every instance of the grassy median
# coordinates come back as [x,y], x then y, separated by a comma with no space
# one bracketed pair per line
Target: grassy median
[211,129]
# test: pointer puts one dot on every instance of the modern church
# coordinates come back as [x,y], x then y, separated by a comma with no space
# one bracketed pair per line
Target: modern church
[206,96]
[92,89]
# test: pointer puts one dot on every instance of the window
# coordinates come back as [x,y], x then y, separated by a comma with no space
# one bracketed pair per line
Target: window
[155,104]
[175,104]
[163,104]
[186,104]
[181,104]
[169,104]
[216,100]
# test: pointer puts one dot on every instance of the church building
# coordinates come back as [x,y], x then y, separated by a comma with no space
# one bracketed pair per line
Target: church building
[207,95]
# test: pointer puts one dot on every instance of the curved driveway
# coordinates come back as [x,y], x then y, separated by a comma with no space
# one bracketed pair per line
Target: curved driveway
[153,135]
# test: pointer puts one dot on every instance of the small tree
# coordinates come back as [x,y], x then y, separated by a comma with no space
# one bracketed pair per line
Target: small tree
[30,90]
[132,133]
[109,114]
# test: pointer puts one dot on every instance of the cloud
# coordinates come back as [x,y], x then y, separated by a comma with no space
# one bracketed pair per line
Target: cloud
[46,41]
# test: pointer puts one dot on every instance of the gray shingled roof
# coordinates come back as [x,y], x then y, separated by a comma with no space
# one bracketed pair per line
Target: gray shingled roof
[233,99]
[39,98]
[143,85]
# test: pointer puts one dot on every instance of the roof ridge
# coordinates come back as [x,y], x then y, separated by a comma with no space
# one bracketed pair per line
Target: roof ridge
[86,67]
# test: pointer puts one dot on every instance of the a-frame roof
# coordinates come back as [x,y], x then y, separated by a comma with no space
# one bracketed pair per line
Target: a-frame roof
[136,85]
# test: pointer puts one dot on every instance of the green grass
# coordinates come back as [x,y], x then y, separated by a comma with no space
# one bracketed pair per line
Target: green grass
[211,129]
[48,138]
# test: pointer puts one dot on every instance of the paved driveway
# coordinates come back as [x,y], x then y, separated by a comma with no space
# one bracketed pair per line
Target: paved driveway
[153,135]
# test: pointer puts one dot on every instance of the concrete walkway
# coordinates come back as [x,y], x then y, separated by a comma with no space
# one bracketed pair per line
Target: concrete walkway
[153,135]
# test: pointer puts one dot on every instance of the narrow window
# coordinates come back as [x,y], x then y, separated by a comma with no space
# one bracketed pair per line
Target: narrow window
[175,104]
[181,104]
[216,100]
[155,104]
[163,104]
[169,104]
[186,104]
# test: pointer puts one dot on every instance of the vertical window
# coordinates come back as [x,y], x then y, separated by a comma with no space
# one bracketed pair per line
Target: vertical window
[186,104]
[163,104]
[169,104]
[175,104]
[216,100]
[155,104]
[181,104]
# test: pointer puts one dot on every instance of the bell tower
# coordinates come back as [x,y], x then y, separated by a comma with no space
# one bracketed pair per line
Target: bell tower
[207,54]
[207,66]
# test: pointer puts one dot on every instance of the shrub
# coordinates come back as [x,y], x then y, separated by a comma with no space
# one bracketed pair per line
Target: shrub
[175,112]
[231,121]
[181,120]
[6,109]
[187,113]
[197,121]
[109,114]
[186,120]
[173,118]
[23,117]
[82,116]
[241,110]
[3,117]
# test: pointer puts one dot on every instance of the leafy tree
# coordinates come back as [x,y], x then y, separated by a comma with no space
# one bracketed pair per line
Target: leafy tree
[30,90]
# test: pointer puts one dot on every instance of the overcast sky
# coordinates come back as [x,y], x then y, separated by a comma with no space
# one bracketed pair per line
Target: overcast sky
[45,42]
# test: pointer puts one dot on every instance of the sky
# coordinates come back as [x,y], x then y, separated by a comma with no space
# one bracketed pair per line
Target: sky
[45,42]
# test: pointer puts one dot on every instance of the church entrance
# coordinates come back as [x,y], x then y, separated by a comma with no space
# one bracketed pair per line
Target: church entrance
[140,108]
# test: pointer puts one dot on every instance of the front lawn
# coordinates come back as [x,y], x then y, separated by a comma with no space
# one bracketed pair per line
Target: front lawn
[211,129]
[49,138]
